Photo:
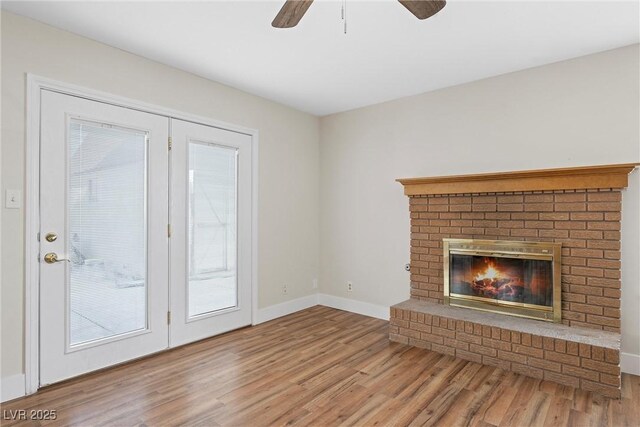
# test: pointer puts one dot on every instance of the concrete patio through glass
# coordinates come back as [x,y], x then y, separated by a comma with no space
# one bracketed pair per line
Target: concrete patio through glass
[101,307]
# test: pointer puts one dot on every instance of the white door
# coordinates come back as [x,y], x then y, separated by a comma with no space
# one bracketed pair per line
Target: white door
[211,231]
[103,236]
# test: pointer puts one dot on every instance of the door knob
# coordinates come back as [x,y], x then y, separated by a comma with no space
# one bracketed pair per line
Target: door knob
[51,237]
[52,258]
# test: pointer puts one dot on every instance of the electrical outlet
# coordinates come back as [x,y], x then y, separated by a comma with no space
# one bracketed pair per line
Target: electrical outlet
[349,287]
[314,284]
[284,289]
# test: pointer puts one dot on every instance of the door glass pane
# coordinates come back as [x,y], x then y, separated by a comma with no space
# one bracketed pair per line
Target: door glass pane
[212,228]
[106,241]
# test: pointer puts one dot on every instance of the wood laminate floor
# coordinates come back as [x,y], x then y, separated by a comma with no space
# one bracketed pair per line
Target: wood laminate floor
[320,367]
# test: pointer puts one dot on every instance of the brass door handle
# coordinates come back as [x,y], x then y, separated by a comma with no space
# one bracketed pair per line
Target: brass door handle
[52,258]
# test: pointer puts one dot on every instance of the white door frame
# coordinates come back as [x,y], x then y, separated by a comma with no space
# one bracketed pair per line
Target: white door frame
[35,85]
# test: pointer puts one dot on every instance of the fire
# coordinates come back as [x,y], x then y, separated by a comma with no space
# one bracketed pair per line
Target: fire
[500,278]
[490,273]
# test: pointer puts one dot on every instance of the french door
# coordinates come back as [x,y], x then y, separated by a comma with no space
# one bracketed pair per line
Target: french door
[135,259]
[211,231]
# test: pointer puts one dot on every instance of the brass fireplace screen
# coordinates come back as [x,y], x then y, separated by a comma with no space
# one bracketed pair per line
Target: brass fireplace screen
[515,278]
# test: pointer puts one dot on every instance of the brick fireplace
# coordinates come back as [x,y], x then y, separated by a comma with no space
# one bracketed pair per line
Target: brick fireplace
[578,208]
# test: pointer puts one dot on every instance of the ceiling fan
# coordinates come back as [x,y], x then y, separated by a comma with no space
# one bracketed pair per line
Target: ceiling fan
[293,10]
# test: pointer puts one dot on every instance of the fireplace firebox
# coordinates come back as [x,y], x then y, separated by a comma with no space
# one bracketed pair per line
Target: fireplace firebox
[510,277]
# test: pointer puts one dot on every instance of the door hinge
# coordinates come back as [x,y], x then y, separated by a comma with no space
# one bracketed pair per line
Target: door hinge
[170,143]
[168,317]
[168,230]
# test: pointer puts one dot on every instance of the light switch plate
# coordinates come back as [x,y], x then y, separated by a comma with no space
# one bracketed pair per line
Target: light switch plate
[13,199]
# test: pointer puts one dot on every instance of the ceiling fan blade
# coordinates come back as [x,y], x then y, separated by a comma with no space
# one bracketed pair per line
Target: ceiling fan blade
[423,9]
[291,13]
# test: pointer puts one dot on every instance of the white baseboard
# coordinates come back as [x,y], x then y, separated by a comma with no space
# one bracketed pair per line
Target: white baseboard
[359,307]
[12,387]
[287,307]
[630,363]
[351,305]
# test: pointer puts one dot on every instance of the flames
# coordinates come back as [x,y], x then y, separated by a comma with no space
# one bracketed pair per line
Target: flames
[494,282]
[500,278]
[491,273]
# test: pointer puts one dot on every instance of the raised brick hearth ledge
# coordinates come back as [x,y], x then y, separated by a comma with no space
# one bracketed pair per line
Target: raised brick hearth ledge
[604,339]
[578,357]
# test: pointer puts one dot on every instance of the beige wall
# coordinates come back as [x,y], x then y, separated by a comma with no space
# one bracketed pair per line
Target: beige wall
[288,155]
[578,112]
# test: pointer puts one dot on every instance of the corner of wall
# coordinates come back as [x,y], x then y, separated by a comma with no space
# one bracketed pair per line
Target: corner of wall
[354,306]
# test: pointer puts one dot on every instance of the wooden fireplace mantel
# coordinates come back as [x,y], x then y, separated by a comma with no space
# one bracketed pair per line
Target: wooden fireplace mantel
[577,178]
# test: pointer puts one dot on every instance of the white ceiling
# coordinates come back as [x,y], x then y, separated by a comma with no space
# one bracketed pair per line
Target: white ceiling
[386,54]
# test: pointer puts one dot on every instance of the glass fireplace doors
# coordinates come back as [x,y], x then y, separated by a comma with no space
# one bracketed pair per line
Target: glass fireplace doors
[517,278]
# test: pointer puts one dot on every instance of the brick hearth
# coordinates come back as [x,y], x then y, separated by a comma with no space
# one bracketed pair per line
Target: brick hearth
[582,358]
[584,350]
